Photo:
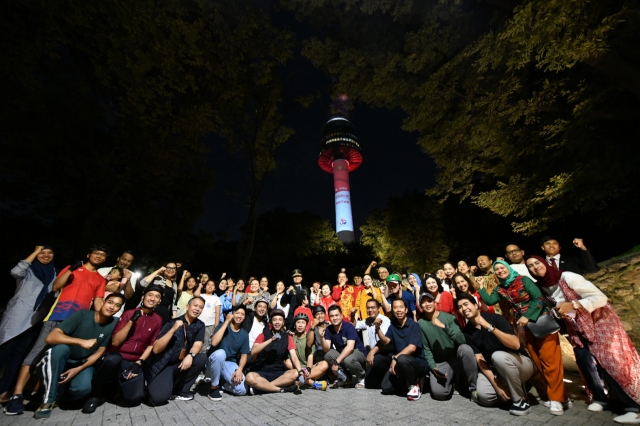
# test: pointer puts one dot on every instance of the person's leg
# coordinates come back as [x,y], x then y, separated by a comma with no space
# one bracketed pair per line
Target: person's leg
[80,386]
[51,367]
[318,370]
[216,364]
[187,378]
[513,371]
[287,379]
[442,388]
[355,364]
[105,372]
[588,367]
[376,373]
[487,395]
[467,359]
[256,381]
[33,357]
[331,356]
[549,361]
[228,369]
[12,353]
[161,386]
[132,390]
[208,330]
[621,395]
[409,369]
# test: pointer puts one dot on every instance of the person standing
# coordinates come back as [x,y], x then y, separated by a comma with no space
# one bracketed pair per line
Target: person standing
[128,281]
[23,315]
[395,292]
[582,264]
[291,296]
[368,292]
[165,277]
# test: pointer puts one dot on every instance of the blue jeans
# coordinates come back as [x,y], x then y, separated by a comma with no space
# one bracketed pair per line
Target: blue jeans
[218,366]
[55,362]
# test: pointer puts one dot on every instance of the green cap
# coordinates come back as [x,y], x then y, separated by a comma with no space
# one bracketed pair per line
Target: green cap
[394,278]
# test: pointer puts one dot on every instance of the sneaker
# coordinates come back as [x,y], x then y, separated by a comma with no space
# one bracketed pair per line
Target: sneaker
[474,396]
[184,396]
[15,405]
[414,393]
[289,389]
[321,385]
[596,407]
[566,405]
[521,408]
[215,394]
[556,408]
[43,412]
[360,384]
[90,405]
[200,379]
[628,419]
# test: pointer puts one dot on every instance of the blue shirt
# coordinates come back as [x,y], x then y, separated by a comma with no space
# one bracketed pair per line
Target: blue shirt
[339,340]
[234,343]
[408,334]
[409,300]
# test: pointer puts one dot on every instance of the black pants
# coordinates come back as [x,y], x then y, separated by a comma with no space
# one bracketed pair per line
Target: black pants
[172,378]
[408,373]
[13,352]
[108,372]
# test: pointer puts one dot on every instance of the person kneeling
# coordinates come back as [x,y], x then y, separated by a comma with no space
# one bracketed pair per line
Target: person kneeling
[77,343]
[304,350]
[176,360]
[269,352]
[408,366]
[503,364]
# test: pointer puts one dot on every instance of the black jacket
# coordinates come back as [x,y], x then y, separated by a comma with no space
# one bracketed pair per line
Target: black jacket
[583,264]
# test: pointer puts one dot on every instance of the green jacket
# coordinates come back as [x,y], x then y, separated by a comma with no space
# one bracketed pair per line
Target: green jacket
[439,344]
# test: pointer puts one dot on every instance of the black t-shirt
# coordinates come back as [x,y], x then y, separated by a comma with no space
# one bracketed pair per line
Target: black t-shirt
[485,343]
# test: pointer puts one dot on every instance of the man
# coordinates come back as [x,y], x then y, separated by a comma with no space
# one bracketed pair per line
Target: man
[128,281]
[504,367]
[256,321]
[445,349]
[316,332]
[176,359]
[291,298]
[583,264]
[371,336]
[405,363]
[485,276]
[344,294]
[383,273]
[304,350]
[349,350]
[131,344]
[79,284]
[270,351]
[515,256]
[230,344]
[394,291]
[77,343]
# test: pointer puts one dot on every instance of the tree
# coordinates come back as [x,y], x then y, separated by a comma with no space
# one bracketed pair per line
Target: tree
[535,100]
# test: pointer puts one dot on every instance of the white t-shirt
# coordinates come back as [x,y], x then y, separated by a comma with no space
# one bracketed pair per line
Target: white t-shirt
[256,329]
[208,315]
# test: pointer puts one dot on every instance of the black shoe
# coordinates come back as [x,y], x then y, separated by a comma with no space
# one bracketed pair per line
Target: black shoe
[215,394]
[90,405]
[184,396]
[15,405]
[522,408]
[289,389]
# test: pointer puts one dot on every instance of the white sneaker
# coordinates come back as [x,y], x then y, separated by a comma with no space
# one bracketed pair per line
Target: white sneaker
[628,419]
[596,407]
[556,408]
[565,405]
[414,393]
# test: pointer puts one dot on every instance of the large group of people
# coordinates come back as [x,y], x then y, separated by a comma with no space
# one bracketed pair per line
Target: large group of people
[93,333]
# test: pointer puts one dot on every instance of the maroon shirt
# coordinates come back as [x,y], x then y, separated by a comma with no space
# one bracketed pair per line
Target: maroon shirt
[143,333]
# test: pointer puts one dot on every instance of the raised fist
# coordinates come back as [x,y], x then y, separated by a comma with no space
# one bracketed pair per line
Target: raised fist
[137,314]
[75,265]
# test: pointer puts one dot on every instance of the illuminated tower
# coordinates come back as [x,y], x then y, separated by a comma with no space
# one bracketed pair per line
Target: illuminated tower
[340,154]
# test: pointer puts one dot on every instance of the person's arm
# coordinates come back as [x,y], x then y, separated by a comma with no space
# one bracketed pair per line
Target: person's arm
[293,356]
[326,343]
[428,355]
[591,298]
[336,292]
[371,265]
[234,300]
[511,341]
[348,350]
[97,303]
[58,337]
[535,306]
[216,320]
[489,299]
[162,342]
[385,304]
[181,283]
[217,336]
[261,344]
[382,334]
[61,280]
[120,336]
[587,261]
[198,290]
[274,301]
[486,370]
[128,290]
[149,278]
[71,373]
[453,331]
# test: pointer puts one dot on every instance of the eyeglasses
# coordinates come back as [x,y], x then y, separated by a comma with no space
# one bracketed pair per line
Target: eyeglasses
[170,268]
[512,252]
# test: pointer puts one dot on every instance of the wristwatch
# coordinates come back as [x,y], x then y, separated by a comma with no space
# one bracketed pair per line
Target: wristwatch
[490,329]
[393,357]
[193,355]
[575,305]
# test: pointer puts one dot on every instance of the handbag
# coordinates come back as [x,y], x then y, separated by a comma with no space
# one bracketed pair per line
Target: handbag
[547,323]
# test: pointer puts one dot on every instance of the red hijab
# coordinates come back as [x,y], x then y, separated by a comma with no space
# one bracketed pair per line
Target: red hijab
[551,277]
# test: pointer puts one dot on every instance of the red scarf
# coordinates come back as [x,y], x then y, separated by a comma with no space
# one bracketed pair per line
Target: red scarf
[551,277]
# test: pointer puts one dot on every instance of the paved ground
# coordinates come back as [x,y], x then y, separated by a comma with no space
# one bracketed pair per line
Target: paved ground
[333,407]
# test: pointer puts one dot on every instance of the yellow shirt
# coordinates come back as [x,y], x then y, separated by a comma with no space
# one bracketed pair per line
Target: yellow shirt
[361,302]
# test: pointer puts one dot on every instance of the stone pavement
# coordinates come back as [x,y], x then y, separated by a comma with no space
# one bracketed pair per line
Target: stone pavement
[333,407]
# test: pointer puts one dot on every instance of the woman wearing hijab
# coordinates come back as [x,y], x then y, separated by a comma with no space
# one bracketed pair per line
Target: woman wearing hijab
[525,298]
[22,319]
[597,336]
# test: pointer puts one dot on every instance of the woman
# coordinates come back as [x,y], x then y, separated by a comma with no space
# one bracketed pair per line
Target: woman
[314,293]
[210,315]
[367,293]
[165,277]
[227,298]
[597,336]
[463,268]
[186,291]
[444,300]
[325,298]
[264,288]
[463,284]
[22,319]
[222,287]
[238,291]
[280,300]
[525,299]
[449,271]
[250,298]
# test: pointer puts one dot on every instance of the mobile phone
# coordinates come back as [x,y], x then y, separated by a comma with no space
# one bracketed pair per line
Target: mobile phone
[276,336]
[63,377]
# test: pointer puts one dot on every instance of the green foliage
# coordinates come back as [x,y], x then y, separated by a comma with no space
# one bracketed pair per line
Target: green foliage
[539,102]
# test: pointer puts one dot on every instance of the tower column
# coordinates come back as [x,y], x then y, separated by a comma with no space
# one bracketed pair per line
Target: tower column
[344,220]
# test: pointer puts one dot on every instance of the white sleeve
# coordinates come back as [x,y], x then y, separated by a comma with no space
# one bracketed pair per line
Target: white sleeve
[591,298]
[385,324]
[361,325]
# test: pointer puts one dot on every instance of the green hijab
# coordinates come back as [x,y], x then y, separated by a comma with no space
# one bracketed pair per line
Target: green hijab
[512,274]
